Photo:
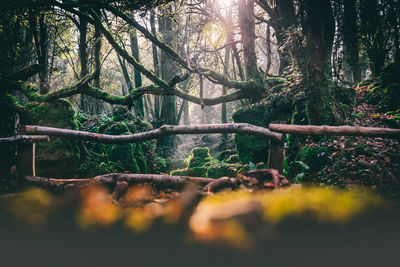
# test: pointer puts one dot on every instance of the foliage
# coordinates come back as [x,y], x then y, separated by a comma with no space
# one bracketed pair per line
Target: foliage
[104,158]
[201,164]
[385,90]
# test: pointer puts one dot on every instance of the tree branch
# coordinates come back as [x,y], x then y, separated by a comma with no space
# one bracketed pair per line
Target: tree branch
[82,87]
[335,130]
[23,73]
[164,130]
[216,77]
[24,139]
[158,180]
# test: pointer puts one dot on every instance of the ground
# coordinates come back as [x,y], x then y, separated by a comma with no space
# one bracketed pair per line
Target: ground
[345,161]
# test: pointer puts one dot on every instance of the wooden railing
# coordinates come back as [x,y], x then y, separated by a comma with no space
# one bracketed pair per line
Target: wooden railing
[28,135]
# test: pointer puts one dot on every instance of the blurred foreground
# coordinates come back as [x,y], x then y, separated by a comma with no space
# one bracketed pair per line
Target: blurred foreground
[301,226]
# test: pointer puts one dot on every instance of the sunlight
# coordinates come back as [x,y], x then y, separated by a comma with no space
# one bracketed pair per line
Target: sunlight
[225,3]
[214,34]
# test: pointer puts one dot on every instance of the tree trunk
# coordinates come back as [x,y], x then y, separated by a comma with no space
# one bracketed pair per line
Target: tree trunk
[138,106]
[168,69]
[156,65]
[286,18]
[319,29]
[374,39]
[85,104]
[40,35]
[99,105]
[350,38]
[247,29]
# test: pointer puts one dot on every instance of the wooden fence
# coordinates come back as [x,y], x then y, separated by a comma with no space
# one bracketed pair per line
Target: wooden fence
[28,135]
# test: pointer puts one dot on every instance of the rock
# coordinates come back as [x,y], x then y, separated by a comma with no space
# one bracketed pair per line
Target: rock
[60,157]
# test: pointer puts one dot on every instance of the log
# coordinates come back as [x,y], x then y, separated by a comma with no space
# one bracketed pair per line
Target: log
[25,139]
[220,184]
[157,180]
[164,130]
[335,130]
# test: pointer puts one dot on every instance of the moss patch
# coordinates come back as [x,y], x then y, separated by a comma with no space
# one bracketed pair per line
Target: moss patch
[276,107]
[59,157]
[201,164]
[106,158]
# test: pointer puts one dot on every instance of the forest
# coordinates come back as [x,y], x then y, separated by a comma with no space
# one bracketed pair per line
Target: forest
[199,132]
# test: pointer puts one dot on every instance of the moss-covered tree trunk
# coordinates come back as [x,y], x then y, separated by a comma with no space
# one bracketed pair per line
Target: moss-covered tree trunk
[156,104]
[138,106]
[85,104]
[247,30]
[319,30]
[168,69]
[98,104]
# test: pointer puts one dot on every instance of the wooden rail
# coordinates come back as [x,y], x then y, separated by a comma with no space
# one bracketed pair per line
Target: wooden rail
[276,153]
[335,130]
[164,130]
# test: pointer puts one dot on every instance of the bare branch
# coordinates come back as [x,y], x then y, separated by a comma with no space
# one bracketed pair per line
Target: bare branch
[158,180]
[25,139]
[164,130]
[335,130]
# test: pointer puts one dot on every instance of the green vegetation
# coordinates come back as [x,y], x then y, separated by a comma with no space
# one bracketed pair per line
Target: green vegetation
[201,164]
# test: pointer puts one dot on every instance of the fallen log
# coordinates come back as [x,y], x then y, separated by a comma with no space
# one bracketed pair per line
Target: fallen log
[335,130]
[221,183]
[164,130]
[25,139]
[157,180]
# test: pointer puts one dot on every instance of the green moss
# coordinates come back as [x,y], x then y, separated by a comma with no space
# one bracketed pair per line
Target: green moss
[255,149]
[134,158]
[198,157]
[59,157]
[206,166]
[180,172]
[221,170]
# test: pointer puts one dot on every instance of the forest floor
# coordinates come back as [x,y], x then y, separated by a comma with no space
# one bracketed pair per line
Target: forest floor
[374,162]
[299,224]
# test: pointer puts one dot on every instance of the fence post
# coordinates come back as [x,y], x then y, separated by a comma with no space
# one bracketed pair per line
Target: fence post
[25,156]
[276,152]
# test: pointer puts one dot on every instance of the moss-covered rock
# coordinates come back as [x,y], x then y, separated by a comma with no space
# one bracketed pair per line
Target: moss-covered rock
[220,170]
[201,164]
[59,157]
[105,158]
[199,157]
[276,107]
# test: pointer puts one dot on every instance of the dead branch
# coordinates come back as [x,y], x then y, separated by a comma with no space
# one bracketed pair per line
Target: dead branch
[157,180]
[335,130]
[25,139]
[164,130]
[221,183]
